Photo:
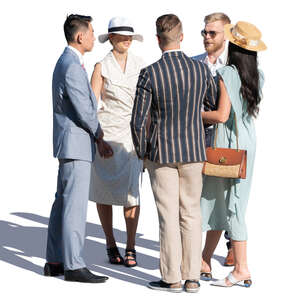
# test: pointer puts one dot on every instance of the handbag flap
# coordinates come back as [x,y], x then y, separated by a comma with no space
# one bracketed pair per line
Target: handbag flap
[225,156]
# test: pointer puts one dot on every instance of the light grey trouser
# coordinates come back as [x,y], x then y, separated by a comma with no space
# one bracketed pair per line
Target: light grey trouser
[66,230]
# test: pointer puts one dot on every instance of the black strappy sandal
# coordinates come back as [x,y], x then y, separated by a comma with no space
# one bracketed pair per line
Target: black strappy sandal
[113,255]
[128,253]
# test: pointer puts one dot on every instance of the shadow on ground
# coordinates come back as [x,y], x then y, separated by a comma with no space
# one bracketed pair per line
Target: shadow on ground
[18,244]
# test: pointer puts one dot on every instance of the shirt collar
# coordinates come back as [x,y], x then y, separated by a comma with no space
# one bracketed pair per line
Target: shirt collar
[173,50]
[223,57]
[221,60]
[80,56]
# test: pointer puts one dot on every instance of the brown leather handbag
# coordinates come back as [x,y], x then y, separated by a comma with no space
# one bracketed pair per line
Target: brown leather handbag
[226,162]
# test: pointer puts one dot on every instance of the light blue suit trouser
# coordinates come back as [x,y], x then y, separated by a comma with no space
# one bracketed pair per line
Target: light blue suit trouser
[66,230]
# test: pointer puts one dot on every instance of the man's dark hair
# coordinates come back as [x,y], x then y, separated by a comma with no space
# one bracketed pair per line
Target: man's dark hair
[73,24]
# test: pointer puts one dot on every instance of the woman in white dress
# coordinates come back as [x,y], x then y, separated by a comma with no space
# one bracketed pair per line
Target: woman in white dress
[115,181]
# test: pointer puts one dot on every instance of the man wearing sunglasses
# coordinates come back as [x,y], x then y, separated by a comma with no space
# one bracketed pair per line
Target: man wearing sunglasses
[214,41]
[215,57]
[216,51]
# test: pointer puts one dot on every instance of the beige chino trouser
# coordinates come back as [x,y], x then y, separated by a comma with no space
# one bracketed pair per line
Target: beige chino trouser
[177,190]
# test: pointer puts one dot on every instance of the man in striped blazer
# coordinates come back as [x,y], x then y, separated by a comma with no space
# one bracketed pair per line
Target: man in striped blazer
[171,93]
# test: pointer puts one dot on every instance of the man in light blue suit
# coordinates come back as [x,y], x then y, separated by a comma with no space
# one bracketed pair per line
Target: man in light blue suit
[215,57]
[76,131]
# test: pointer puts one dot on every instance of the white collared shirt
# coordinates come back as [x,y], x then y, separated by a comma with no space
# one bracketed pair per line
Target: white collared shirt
[173,50]
[220,62]
[80,56]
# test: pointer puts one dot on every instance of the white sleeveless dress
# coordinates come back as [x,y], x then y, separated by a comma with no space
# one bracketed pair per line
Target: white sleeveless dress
[116,181]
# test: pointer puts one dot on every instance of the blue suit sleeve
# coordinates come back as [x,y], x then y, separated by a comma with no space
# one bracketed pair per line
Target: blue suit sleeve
[78,91]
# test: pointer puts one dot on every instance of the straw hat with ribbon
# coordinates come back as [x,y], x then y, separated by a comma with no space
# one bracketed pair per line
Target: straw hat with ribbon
[120,25]
[245,35]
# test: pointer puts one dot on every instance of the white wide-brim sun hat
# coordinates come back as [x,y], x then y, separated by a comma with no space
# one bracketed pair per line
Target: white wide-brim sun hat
[120,25]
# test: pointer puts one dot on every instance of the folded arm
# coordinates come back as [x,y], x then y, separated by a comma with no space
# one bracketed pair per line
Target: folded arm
[220,115]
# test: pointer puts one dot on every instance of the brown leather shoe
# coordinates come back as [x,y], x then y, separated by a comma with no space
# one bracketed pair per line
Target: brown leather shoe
[229,260]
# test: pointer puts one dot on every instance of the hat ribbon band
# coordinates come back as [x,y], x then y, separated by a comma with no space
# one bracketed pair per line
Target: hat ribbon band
[239,38]
[120,28]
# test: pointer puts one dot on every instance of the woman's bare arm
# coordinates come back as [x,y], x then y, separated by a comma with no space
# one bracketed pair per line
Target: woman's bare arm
[97,81]
[220,115]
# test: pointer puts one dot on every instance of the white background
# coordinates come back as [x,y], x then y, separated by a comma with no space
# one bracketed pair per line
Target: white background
[32,39]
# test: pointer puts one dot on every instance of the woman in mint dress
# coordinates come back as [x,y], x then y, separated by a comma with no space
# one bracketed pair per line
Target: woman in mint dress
[224,201]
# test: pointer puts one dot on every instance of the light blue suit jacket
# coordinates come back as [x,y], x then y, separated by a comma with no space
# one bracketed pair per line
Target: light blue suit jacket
[200,57]
[75,122]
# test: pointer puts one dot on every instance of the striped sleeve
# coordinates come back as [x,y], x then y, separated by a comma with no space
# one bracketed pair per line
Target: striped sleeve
[141,107]
[210,99]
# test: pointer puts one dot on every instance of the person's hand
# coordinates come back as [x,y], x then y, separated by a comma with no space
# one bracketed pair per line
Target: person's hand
[101,134]
[104,149]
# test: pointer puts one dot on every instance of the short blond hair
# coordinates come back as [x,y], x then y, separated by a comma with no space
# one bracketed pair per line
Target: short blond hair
[168,28]
[217,17]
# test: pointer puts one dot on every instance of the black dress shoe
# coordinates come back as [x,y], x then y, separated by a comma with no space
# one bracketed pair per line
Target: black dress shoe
[83,275]
[53,269]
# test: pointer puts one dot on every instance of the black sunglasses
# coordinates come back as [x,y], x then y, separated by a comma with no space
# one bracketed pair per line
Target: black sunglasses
[211,33]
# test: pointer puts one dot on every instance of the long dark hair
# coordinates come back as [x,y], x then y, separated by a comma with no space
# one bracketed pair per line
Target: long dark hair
[246,63]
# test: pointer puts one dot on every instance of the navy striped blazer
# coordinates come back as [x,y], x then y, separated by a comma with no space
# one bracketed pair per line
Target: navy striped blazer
[172,90]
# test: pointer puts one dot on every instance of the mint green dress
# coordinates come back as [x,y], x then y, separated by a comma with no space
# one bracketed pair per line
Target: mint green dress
[224,201]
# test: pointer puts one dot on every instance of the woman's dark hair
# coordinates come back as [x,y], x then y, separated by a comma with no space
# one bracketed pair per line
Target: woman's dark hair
[73,24]
[246,63]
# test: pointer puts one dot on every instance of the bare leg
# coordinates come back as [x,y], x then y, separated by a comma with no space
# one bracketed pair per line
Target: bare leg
[240,270]
[105,216]
[131,215]
[212,239]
